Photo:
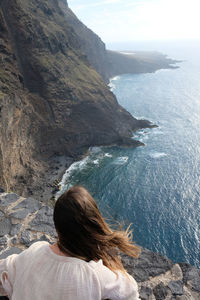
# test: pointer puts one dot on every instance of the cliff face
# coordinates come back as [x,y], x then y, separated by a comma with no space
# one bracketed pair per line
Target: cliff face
[90,43]
[53,102]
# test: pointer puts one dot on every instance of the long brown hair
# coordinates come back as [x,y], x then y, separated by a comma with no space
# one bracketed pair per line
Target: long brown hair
[83,232]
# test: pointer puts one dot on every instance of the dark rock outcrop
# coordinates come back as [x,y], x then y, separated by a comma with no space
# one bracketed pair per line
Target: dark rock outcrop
[147,265]
[137,62]
[176,287]
[160,291]
[157,276]
[191,276]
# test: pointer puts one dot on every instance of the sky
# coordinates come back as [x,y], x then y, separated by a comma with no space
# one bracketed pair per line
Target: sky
[140,20]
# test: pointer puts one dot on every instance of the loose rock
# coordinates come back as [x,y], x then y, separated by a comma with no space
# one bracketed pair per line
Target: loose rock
[160,291]
[148,264]
[25,238]
[1,190]
[5,226]
[10,251]
[43,221]
[176,287]
[145,293]
[6,199]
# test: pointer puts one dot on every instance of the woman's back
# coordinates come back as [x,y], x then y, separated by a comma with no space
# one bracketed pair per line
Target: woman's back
[39,273]
[83,264]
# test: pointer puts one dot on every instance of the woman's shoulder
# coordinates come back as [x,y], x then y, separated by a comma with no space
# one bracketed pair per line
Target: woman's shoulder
[103,273]
[37,246]
[115,284]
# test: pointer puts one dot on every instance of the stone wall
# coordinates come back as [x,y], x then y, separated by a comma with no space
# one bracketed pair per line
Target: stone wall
[24,221]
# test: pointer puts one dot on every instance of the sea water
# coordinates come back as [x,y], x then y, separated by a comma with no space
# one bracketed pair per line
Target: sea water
[155,187]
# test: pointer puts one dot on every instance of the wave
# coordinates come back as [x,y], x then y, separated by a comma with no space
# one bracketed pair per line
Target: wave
[141,135]
[127,53]
[108,155]
[115,78]
[157,132]
[157,154]
[111,84]
[96,161]
[121,160]
[95,156]
[76,166]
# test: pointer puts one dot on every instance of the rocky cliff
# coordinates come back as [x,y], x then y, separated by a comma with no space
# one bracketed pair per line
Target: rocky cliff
[26,220]
[53,103]
[91,44]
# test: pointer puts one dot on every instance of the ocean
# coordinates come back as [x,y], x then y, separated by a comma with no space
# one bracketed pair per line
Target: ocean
[155,187]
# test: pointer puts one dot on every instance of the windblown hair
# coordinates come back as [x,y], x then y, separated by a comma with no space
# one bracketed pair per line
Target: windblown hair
[83,232]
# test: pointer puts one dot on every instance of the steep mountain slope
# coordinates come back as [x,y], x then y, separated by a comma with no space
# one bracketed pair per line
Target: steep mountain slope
[90,43]
[52,101]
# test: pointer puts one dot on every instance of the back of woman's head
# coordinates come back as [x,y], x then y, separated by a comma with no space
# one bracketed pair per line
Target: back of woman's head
[82,231]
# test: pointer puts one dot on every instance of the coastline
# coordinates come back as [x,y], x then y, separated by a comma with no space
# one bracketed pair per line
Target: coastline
[65,168]
[60,164]
[140,62]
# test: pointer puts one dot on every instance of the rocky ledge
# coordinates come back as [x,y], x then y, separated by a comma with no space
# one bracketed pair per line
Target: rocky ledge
[24,221]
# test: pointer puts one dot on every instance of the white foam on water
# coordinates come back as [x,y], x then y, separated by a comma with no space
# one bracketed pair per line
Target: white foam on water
[141,131]
[96,161]
[141,135]
[158,132]
[95,156]
[111,84]
[127,53]
[78,165]
[121,160]
[157,154]
[139,117]
[115,78]
[108,155]
[144,138]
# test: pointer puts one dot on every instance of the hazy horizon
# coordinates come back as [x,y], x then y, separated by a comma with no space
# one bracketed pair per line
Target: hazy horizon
[140,20]
[152,45]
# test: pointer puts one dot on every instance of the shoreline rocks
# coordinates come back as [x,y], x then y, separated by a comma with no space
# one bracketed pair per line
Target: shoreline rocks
[24,221]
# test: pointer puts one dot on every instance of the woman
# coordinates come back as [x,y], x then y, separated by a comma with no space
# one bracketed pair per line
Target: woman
[84,263]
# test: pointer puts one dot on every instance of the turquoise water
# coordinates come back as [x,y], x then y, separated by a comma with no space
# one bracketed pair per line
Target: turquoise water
[155,187]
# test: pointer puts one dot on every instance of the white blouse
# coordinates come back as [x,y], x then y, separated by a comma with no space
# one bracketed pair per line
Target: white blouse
[39,273]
